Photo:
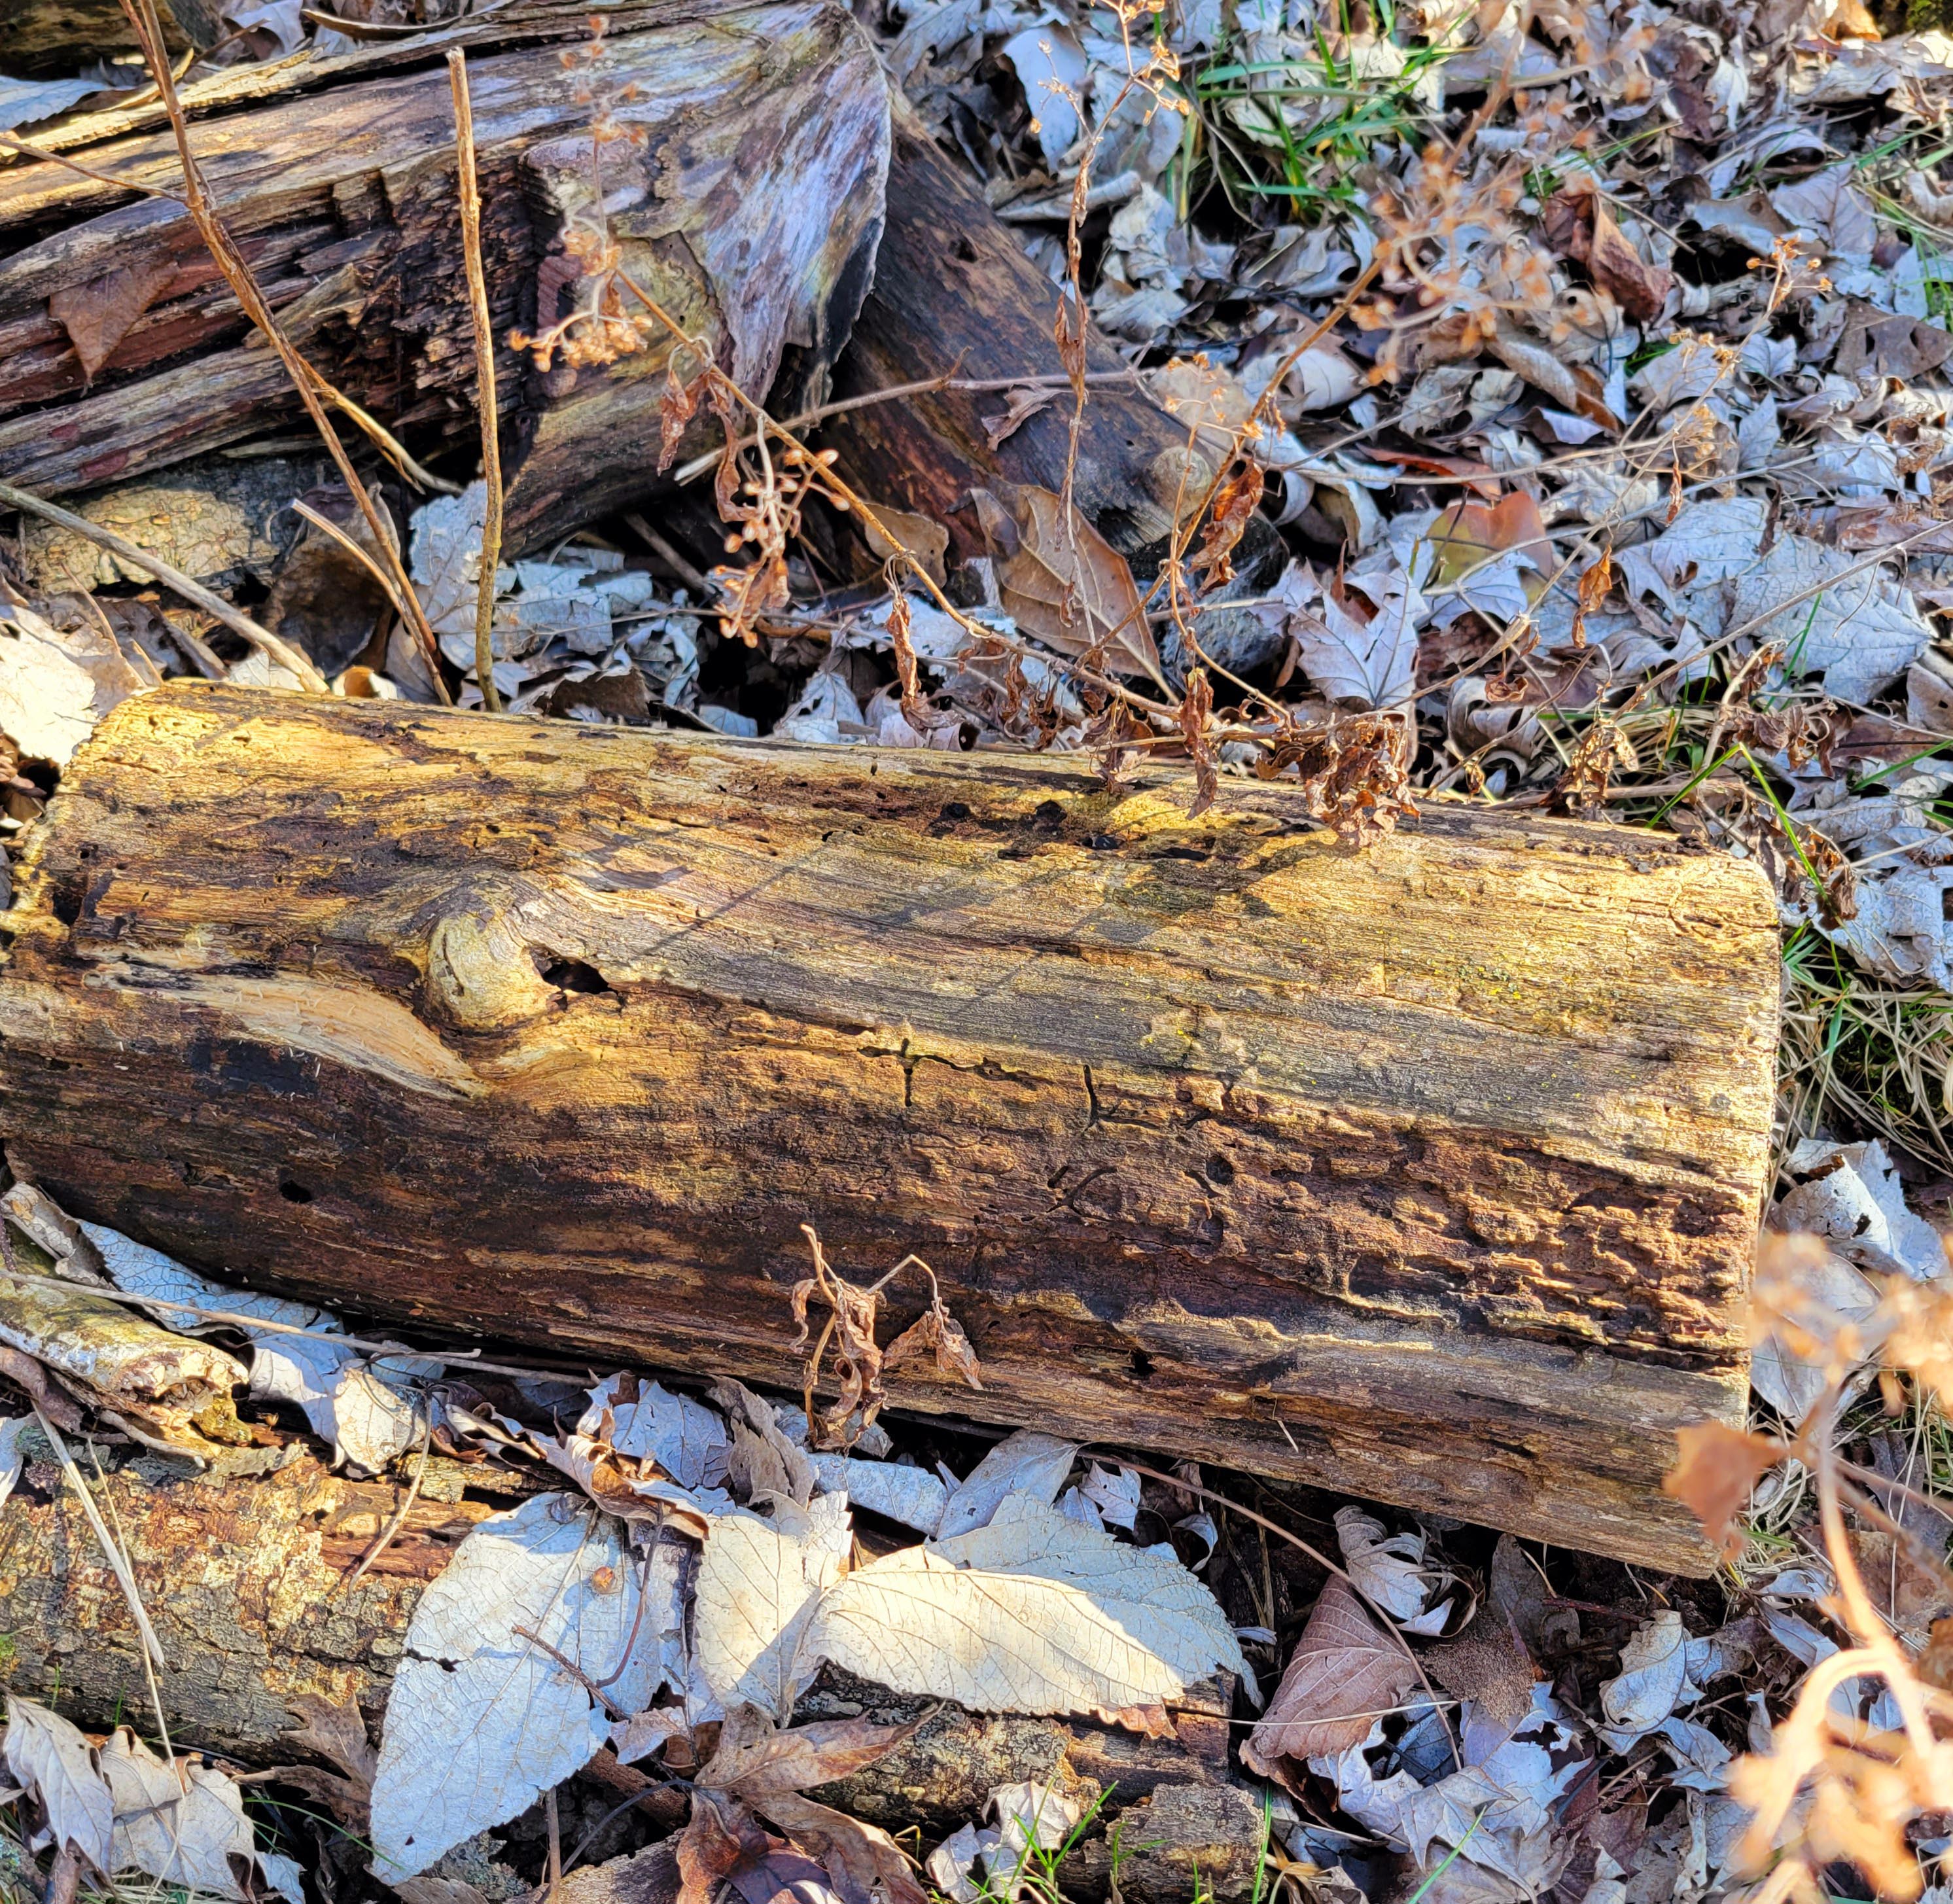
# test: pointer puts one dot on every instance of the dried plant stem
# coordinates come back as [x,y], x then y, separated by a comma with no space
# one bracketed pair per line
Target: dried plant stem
[118,1564]
[194,593]
[391,1533]
[230,261]
[484,384]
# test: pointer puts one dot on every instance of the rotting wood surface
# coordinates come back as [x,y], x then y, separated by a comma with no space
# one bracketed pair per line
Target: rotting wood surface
[1429,1171]
[745,193]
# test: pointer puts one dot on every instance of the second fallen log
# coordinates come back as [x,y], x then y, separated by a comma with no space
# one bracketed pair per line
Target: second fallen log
[1429,1171]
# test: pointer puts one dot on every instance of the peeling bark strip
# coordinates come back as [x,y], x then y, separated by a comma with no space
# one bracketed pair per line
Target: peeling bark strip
[751,211]
[1430,1172]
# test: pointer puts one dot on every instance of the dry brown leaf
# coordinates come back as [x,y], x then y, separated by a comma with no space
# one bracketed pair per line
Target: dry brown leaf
[97,315]
[1719,1467]
[1466,535]
[938,1334]
[1573,386]
[1025,401]
[721,1837]
[756,1761]
[1346,1674]
[1067,587]
[1196,707]
[1234,502]
[907,533]
[862,1860]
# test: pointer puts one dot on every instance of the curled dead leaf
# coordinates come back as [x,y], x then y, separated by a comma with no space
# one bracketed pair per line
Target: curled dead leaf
[1346,1674]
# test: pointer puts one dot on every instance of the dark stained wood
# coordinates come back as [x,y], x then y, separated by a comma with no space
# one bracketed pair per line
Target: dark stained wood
[1430,1172]
[748,202]
[955,295]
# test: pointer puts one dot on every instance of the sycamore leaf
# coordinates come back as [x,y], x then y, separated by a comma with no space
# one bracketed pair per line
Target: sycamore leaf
[1346,1675]
[913,1496]
[686,1438]
[1067,586]
[760,1583]
[481,1720]
[1388,1568]
[47,1754]
[1035,1613]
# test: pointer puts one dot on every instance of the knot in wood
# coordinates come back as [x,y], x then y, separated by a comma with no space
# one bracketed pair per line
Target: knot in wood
[482,974]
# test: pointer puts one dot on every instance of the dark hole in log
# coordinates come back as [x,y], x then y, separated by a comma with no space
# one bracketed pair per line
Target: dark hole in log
[573,975]
[1143,1364]
[294,1193]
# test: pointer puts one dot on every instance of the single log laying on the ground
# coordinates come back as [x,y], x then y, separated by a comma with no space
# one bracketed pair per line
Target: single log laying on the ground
[743,160]
[1429,1171]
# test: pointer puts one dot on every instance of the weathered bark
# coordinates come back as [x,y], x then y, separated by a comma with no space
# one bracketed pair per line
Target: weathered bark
[943,1777]
[242,1573]
[747,200]
[955,296]
[1430,1172]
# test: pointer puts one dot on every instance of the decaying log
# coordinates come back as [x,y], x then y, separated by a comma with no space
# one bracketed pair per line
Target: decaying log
[1429,1171]
[745,195]
[55,39]
[243,1572]
[955,296]
[943,1776]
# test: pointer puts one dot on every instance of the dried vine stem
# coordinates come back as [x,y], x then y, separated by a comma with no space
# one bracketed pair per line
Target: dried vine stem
[484,384]
[237,273]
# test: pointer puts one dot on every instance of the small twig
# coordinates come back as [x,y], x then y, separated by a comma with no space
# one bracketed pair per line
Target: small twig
[280,650]
[555,1846]
[576,1672]
[391,1532]
[484,387]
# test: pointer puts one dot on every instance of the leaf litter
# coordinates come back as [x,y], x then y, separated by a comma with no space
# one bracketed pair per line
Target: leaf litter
[1614,487]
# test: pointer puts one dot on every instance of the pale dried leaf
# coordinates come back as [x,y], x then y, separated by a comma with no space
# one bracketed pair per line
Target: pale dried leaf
[1034,1613]
[480,1721]
[1387,1568]
[1024,1462]
[47,1755]
[1346,1674]
[759,1589]
[182,1822]
[1653,1680]
[913,1496]
[47,697]
[686,1438]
